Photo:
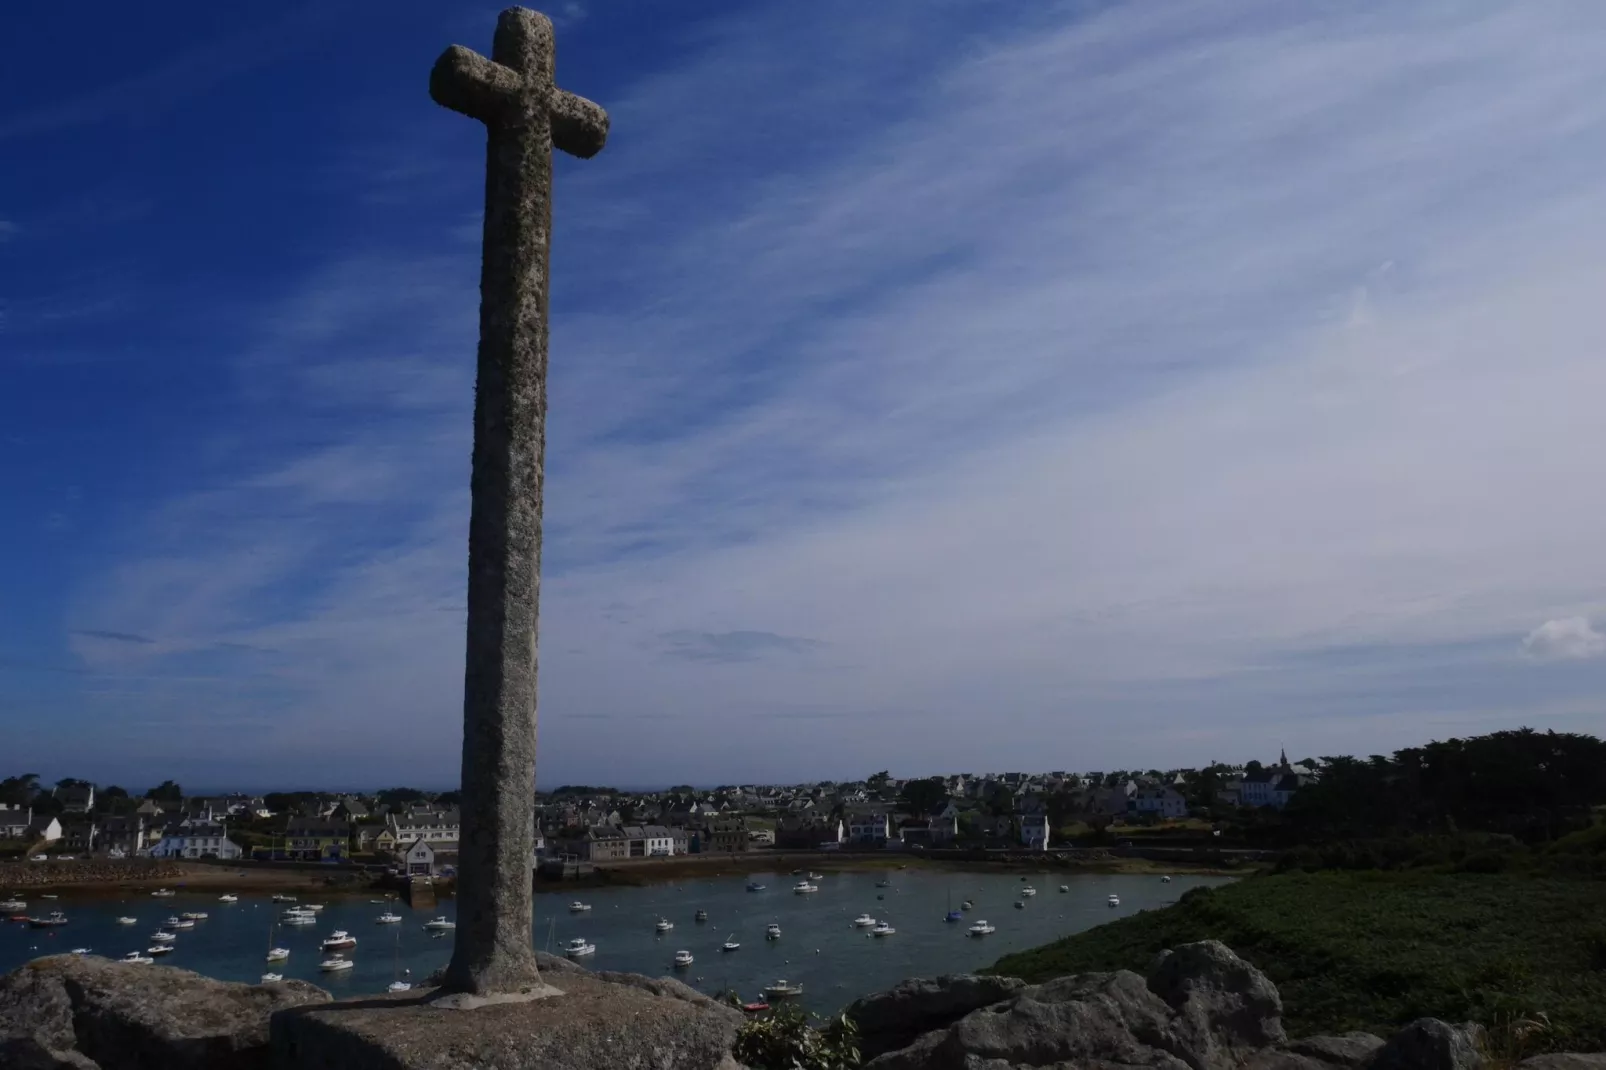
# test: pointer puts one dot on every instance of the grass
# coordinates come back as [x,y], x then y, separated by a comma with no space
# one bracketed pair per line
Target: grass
[1374,950]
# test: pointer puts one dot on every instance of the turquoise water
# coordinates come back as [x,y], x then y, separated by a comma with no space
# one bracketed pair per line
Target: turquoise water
[819,946]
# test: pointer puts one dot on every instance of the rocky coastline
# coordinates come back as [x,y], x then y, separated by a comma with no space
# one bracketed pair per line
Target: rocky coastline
[1200,1007]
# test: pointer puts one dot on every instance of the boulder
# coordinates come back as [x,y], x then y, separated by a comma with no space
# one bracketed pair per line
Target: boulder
[1564,1061]
[594,1022]
[1429,1044]
[1202,1008]
[897,1017]
[126,1017]
[1224,1006]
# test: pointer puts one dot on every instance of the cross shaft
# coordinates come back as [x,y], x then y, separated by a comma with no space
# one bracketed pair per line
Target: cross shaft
[525,115]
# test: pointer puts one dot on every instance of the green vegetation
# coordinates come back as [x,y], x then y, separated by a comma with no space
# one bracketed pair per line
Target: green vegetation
[786,1039]
[1374,950]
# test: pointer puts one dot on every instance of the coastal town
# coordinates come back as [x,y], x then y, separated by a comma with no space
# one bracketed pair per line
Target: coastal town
[416,833]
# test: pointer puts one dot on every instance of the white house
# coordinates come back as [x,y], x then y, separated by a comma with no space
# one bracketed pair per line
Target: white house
[1255,790]
[195,841]
[868,826]
[440,827]
[1034,831]
[1164,802]
[45,828]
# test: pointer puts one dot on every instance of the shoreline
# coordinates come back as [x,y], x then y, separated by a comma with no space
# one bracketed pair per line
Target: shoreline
[113,880]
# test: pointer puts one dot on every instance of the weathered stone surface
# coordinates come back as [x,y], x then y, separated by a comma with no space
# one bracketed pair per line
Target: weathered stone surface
[1202,1008]
[525,115]
[1429,1044]
[1564,1061]
[1318,1053]
[896,1018]
[28,1053]
[122,1016]
[626,1023]
[1224,1006]
[1346,1049]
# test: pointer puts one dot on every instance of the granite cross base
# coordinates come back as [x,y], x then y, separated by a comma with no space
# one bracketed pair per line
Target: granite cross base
[598,1022]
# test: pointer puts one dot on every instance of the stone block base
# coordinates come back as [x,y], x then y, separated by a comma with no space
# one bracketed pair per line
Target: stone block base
[598,1022]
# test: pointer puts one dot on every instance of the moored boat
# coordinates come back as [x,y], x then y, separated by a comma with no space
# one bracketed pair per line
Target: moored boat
[730,943]
[281,898]
[981,928]
[701,915]
[162,936]
[399,986]
[883,929]
[127,921]
[805,887]
[578,948]
[194,915]
[228,897]
[754,886]
[783,990]
[338,939]
[683,959]
[13,906]
[157,950]
[1028,891]
[278,954]
[578,907]
[270,978]
[388,919]
[772,931]
[49,921]
[664,925]
[134,958]
[1115,900]
[864,921]
[335,964]
[440,924]
[163,893]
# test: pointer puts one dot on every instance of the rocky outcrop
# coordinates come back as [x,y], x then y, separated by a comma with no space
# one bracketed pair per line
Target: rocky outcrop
[1429,1044]
[1564,1062]
[898,1017]
[1201,1008]
[88,1011]
[596,1021]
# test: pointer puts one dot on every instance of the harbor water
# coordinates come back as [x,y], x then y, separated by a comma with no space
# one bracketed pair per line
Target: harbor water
[820,947]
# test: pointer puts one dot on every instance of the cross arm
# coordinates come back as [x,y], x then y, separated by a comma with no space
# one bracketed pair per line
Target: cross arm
[579,126]
[467,82]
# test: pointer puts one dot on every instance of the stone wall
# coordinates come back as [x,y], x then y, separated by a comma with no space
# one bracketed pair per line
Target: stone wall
[19,876]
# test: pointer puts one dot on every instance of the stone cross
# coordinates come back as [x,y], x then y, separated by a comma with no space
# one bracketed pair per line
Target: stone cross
[525,115]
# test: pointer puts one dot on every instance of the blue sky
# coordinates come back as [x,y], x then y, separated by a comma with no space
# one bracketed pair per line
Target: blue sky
[936,386]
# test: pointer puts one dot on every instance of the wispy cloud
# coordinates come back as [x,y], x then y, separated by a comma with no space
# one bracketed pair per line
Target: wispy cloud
[1568,639]
[734,646]
[115,637]
[8,230]
[1100,374]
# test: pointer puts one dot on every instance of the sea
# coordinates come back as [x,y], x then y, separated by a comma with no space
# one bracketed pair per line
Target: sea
[820,947]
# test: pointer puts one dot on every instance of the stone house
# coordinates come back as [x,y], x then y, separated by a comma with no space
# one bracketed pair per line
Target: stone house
[604,843]
[726,835]
[77,833]
[1161,802]
[122,836]
[76,798]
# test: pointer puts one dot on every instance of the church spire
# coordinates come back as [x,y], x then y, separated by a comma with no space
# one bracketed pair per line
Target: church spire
[1284,757]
